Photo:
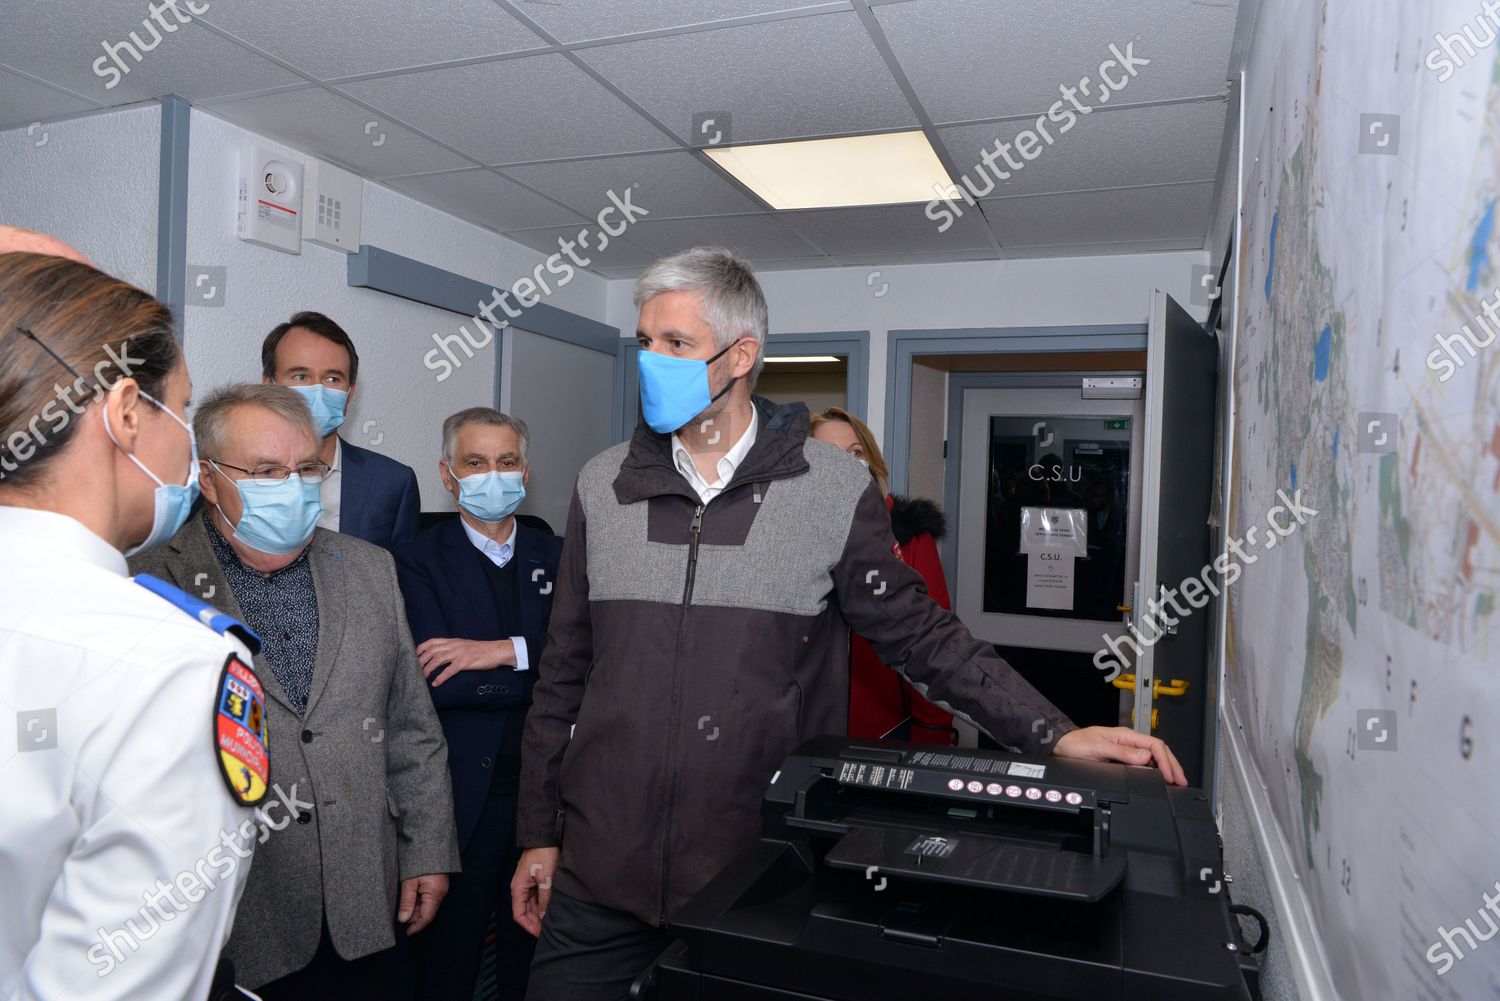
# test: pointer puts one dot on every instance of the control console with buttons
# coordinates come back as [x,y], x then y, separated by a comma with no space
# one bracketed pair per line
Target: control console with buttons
[891,871]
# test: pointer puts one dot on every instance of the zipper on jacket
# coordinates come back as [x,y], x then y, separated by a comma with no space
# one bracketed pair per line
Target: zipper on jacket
[671,785]
[692,565]
[694,532]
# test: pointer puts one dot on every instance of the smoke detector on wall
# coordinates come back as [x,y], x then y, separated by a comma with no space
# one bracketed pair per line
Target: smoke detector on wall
[270,205]
[331,206]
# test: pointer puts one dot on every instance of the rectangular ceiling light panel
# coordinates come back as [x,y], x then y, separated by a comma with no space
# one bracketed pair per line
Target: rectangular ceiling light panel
[883,169]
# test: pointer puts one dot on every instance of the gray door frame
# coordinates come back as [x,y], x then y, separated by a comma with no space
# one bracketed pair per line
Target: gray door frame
[960,383]
[903,346]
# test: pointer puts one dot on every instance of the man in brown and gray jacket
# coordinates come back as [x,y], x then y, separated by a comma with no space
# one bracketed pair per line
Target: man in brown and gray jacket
[711,569]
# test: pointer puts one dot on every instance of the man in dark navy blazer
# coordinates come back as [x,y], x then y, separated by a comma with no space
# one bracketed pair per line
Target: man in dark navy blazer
[478,592]
[367,495]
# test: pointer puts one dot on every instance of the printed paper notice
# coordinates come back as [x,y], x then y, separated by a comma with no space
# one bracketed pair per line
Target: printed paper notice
[1060,529]
[1049,580]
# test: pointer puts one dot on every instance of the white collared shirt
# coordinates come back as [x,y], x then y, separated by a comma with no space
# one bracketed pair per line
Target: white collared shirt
[727,465]
[499,553]
[110,781]
[331,488]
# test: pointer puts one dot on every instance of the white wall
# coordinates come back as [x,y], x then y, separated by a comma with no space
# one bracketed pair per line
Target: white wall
[565,394]
[92,182]
[1055,291]
[398,406]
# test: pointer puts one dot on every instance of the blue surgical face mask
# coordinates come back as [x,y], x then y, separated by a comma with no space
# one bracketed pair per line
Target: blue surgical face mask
[173,501]
[675,390]
[491,497]
[327,406]
[276,518]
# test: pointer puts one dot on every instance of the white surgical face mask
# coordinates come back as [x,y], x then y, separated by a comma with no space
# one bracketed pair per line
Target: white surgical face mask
[173,501]
[275,518]
[492,497]
[327,405]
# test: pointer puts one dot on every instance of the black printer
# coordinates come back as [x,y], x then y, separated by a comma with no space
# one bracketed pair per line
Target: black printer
[903,871]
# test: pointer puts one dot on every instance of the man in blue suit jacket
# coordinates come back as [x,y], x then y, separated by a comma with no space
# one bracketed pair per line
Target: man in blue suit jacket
[367,495]
[478,593]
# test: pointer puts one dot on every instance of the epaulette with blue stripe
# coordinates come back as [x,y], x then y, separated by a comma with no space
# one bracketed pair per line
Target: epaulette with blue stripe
[201,610]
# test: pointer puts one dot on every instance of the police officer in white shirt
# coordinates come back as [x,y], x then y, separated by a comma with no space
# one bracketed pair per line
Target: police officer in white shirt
[131,723]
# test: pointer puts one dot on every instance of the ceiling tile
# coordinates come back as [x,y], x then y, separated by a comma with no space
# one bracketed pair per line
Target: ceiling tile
[389,34]
[533,108]
[331,127]
[808,76]
[605,18]
[758,237]
[618,253]
[1173,211]
[189,60]
[971,59]
[484,197]
[23,102]
[879,229]
[1105,149]
[663,184]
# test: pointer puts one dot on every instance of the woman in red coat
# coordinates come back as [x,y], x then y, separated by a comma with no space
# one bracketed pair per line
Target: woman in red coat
[880,700]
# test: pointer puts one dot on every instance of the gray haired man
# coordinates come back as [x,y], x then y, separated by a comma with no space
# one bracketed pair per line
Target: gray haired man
[478,592]
[711,568]
[361,829]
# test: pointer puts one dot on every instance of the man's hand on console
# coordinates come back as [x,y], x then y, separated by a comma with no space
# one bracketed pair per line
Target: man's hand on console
[454,655]
[1120,743]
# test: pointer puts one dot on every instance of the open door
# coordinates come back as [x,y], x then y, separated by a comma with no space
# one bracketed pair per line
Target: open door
[1172,669]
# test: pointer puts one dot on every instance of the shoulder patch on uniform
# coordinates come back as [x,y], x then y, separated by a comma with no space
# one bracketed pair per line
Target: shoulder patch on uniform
[240,733]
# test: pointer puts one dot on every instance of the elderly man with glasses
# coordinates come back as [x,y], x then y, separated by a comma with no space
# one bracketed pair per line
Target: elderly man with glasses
[359,828]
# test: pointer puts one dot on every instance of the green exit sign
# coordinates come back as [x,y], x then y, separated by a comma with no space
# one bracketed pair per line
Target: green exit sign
[1120,425]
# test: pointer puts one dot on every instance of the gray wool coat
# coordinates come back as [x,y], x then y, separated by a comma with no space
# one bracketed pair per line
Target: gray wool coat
[368,754]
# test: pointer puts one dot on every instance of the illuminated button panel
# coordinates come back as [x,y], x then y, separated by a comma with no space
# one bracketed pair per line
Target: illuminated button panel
[969,777]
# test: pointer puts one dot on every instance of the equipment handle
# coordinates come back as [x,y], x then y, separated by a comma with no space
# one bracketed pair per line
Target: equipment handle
[1174,688]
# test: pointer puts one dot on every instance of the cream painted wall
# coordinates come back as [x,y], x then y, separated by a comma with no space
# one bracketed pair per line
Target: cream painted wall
[929,422]
[819,390]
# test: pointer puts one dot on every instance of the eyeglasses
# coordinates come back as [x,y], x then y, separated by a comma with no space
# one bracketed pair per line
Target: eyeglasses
[268,475]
